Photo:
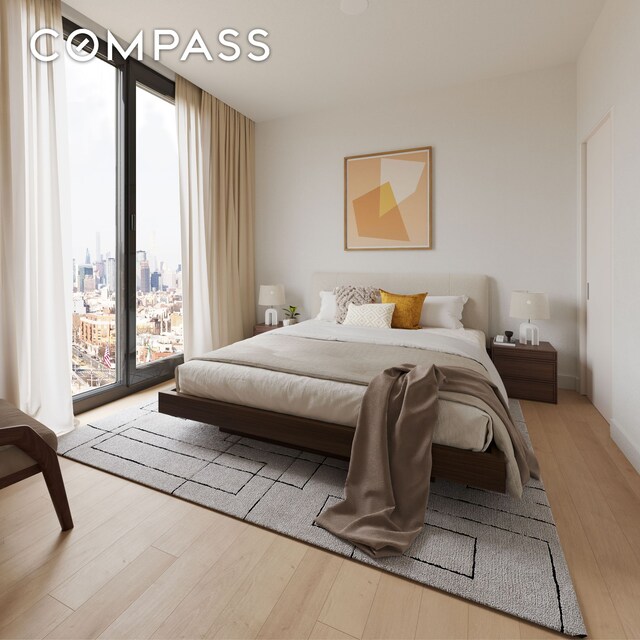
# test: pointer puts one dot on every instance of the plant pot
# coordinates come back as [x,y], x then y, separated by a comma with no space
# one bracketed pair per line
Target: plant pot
[287,321]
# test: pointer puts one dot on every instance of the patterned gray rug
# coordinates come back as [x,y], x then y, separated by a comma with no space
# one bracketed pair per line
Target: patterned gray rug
[483,546]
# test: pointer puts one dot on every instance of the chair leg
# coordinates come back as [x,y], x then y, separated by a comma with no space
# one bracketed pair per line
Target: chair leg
[55,485]
[26,438]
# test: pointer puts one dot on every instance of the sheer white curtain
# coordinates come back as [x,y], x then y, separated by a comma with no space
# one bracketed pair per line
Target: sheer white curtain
[216,154]
[35,331]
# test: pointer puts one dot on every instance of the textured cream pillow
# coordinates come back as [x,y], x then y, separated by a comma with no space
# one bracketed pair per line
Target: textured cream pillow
[346,294]
[370,315]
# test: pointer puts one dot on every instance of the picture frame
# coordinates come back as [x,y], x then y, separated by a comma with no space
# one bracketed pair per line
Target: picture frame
[388,200]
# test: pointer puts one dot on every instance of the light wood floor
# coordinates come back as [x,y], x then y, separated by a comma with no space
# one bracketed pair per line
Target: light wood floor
[141,564]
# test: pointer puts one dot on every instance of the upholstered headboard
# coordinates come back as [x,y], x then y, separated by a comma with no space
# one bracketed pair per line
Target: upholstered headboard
[476,311]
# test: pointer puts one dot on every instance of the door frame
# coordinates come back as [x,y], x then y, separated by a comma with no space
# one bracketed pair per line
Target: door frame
[582,247]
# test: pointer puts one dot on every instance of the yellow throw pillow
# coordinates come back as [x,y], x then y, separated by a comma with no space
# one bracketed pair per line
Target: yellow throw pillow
[406,315]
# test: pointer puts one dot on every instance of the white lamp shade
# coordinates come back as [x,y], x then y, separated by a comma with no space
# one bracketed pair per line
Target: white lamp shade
[271,295]
[532,306]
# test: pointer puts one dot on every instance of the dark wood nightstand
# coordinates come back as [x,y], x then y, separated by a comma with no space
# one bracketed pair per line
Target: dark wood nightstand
[528,372]
[263,328]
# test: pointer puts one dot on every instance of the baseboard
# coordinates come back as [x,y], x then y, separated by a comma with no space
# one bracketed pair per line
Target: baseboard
[630,451]
[568,382]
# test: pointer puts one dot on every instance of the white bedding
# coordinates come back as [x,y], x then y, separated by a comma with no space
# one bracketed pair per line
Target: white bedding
[338,402]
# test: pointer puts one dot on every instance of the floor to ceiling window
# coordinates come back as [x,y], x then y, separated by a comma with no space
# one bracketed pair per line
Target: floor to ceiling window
[158,264]
[92,91]
[125,266]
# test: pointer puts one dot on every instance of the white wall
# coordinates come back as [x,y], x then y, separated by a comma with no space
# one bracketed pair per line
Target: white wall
[504,185]
[609,78]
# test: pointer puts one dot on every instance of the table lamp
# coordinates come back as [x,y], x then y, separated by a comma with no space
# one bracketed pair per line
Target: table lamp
[271,295]
[532,306]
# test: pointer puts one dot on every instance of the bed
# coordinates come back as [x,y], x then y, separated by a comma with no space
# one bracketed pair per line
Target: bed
[317,413]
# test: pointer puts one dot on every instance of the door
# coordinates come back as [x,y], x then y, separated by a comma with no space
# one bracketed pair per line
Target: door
[599,212]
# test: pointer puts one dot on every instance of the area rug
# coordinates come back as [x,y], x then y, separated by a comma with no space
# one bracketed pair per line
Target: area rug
[479,545]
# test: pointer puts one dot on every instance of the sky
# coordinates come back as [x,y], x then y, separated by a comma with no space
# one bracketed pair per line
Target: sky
[91,96]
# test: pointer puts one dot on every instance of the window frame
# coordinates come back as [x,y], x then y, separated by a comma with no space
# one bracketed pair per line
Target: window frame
[129,378]
[136,73]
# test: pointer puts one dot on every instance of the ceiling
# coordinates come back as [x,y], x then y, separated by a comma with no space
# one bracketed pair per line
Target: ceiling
[322,58]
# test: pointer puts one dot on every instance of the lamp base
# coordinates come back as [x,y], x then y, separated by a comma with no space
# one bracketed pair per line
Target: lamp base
[529,334]
[271,316]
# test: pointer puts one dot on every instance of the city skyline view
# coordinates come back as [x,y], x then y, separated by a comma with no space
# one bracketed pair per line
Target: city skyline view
[91,91]
[92,252]
[94,332]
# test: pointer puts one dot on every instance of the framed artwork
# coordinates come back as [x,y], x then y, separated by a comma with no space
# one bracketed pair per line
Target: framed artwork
[387,200]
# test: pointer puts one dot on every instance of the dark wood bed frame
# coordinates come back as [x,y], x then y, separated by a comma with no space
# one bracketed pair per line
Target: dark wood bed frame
[486,470]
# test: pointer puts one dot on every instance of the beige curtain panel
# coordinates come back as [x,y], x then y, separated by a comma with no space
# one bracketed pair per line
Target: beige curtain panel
[216,155]
[35,296]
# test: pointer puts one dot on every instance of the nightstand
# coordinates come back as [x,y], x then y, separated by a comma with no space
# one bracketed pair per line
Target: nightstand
[528,372]
[263,328]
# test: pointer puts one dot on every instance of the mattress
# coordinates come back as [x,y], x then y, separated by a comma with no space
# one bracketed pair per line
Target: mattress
[459,425]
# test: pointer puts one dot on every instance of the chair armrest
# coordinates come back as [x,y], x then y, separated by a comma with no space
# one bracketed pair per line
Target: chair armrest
[26,439]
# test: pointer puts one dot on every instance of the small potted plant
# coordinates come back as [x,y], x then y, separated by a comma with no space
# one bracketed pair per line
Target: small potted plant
[290,316]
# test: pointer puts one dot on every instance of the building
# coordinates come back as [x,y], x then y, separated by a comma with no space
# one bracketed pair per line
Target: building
[169,279]
[97,330]
[89,284]
[111,274]
[145,277]
[99,273]
[176,321]
[156,281]
[140,257]
[84,271]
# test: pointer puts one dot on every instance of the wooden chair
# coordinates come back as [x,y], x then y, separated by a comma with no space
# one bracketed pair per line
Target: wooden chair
[27,447]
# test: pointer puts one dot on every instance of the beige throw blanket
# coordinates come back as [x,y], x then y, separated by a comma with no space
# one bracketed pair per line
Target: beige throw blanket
[350,362]
[388,483]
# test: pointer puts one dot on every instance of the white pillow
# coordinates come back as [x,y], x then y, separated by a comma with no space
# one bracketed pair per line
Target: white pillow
[443,312]
[328,306]
[370,315]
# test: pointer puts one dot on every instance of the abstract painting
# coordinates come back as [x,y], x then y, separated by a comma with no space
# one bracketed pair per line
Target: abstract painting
[387,200]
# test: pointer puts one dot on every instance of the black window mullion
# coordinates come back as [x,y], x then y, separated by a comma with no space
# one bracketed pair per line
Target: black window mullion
[130,217]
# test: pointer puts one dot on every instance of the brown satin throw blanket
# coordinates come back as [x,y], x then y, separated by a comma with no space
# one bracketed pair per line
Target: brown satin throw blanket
[387,486]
